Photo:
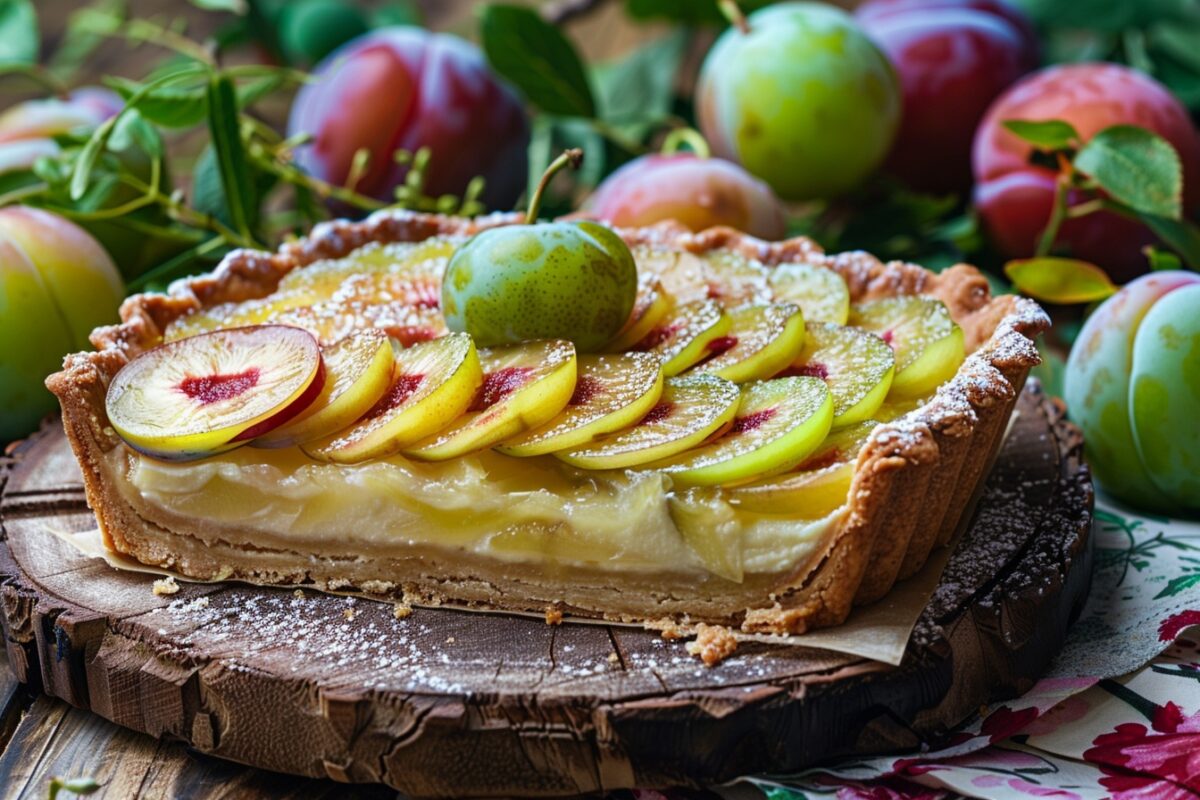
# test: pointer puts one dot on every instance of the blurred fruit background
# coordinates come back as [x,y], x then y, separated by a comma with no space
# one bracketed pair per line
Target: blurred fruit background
[1052,142]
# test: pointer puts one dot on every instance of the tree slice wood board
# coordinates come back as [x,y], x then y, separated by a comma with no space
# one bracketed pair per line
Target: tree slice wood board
[451,703]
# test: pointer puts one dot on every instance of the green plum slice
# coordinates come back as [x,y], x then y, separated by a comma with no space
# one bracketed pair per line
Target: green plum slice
[692,408]
[817,486]
[1164,395]
[929,346]
[572,281]
[722,275]
[524,386]
[612,392]
[650,307]
[819,291]
[684,337]
[779,423]
[858,367]
[761,341]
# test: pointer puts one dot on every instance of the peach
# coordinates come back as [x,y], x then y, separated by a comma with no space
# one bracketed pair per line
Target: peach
[58,284]
[1014,196]
[1133,386]
[698,192]
[407,88]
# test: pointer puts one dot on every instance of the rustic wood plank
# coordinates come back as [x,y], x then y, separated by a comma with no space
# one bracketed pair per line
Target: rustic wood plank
[446,702]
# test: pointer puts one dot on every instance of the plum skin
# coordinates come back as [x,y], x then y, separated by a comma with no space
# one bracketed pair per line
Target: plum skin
[403,87]
[697,192]
[805,100]
[1133,386]
[954,57]
[56,284]
[1010,193]
[564,280]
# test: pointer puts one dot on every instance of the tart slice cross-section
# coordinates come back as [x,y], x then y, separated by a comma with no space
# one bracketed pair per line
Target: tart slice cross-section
[209,393]
[524,386]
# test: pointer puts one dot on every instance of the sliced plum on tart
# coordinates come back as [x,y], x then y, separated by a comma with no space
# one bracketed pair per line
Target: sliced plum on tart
[691,409]
[210,393]
[431,385]
[778,424]
[524,387]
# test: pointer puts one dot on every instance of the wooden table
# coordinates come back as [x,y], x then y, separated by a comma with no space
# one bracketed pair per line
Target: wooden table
[42,738]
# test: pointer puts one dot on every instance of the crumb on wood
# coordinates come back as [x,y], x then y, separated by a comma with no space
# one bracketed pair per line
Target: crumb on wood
[299,594]
[670,630]
[554,615]
[166,585]
[349,613]
[449,640]
[614,659]
[402,610]
[713,644]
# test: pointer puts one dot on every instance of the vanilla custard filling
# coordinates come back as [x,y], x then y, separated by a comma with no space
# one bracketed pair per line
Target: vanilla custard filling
[528,511]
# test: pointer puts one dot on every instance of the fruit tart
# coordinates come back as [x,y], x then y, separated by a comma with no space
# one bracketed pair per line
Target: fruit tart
[766,437]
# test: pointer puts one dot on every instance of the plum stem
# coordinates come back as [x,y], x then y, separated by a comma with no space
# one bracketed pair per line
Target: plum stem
[570,158]
[734,14]
[689,136]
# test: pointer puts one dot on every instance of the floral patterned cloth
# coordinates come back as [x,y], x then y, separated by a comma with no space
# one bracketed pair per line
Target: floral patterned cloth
[1118,714]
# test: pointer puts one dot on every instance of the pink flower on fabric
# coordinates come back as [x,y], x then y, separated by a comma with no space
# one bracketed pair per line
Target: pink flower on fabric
[1022,786]
[1173,625]
[1170,753]
[1004,722]
[1067,711]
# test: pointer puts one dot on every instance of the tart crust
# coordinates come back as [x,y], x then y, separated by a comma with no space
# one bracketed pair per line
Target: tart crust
[914,484]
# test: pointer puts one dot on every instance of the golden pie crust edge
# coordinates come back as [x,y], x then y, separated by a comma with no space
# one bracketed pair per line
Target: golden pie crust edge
[915,480]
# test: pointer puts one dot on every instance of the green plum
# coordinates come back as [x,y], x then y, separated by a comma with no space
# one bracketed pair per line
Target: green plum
[1164,395]
[800,97]
[561,280]
[1131,386]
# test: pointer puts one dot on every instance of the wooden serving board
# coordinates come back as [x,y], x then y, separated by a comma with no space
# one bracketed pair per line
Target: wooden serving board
[452,703]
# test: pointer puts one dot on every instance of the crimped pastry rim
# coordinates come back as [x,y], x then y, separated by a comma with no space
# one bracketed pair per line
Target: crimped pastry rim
[904,461]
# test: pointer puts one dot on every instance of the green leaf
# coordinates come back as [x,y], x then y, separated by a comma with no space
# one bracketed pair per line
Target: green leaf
[224,126]
[232,6]
[538,59]
[1059,280]
[208,195]
[1137,168]
[134,131]
[641,86]
[1181,236]
[1049,135]
[98,141]
[1162,259]
[19,37]
[1179,584]
[398,12]
[171,107]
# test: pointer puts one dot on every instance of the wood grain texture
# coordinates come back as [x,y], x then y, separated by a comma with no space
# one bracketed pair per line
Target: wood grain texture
[449,703]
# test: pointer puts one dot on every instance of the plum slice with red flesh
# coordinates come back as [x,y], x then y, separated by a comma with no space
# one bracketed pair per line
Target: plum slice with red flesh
[432,384]
[684,337]
[612,392]
[524,386]
[858,367]
[779,423]
[761,341]
[206,394]
[691,409]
